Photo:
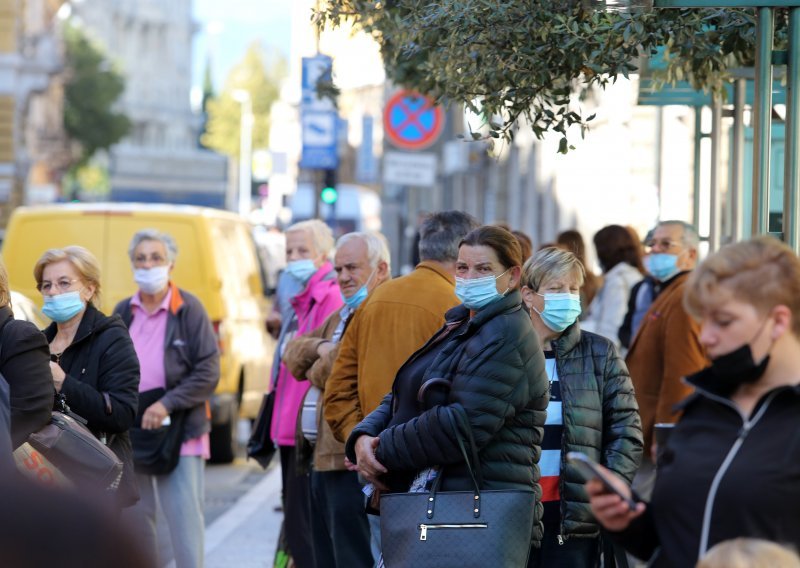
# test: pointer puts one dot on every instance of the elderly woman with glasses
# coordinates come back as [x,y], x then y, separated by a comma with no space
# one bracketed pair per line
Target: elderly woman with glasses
[93,362]
[592,409]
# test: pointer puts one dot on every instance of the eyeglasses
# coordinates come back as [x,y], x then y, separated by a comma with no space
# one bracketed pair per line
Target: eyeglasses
[155,259]
[62,285]
[660,244]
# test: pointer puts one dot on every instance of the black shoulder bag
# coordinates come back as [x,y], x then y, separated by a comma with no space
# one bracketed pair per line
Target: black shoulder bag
[156,452]
[468,529]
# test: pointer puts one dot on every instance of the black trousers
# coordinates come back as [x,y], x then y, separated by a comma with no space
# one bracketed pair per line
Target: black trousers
[338,522]
[296,509]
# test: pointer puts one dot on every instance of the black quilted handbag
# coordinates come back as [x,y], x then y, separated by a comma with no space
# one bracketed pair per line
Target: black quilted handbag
[457,528]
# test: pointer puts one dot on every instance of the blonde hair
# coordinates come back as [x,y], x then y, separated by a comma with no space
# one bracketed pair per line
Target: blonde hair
[762,272]
[84,262]
[550,263]
[749,553]
[321,235]
[5,293]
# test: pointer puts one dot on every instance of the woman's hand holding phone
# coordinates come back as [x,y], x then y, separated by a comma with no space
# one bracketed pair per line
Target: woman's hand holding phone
[610,498]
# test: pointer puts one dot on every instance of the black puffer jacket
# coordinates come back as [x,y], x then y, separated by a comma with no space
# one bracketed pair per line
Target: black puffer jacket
[600,417]
[102,386]
[498,380]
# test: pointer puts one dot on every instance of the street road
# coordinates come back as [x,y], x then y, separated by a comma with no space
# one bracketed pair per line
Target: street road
[242,516]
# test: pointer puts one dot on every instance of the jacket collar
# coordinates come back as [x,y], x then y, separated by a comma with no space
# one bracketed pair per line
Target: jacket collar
[91,321]
[176,300]
[312,291]
[438,269]
[568,340]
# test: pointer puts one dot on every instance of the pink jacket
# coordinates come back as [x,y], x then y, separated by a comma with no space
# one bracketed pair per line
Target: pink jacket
[313,305]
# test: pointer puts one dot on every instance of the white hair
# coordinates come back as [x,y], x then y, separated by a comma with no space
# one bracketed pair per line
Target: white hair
[321,234]
[377,246]
[154,235]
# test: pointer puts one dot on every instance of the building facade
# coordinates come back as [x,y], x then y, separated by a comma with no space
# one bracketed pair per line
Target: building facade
[150,41]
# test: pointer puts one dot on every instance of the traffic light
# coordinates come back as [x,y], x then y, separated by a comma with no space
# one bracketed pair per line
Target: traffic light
[329,194]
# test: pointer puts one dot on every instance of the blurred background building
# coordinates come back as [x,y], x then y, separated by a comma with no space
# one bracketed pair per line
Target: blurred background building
[159,161]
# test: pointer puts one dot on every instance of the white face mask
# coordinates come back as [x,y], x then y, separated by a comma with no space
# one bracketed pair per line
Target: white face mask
[152,280]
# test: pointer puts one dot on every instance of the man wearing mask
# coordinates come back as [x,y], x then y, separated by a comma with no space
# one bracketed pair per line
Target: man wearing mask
[179,361]
[667,346]
[339,528]
[395,321]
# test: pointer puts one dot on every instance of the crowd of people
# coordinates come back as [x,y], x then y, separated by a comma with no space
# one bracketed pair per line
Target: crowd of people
[677,378]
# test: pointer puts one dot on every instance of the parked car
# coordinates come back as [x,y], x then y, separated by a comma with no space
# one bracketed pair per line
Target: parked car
[217,262]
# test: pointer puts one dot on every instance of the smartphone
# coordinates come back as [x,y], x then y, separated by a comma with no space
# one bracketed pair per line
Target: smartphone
[589,469]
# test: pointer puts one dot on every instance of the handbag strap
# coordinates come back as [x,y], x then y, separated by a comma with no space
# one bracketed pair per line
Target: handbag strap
[476,511]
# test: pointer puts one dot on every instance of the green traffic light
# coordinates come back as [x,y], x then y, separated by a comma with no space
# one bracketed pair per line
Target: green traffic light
[329,195]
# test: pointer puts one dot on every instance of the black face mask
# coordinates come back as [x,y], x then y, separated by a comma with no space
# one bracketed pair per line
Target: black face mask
[738,368]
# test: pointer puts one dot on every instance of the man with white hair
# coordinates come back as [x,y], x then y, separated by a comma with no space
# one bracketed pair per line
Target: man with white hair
[339,527]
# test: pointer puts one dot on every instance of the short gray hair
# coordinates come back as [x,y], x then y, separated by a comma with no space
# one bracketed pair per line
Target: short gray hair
[441,233]
[377,246]
[550,263]
[690,238]
[321,234]
[154,235]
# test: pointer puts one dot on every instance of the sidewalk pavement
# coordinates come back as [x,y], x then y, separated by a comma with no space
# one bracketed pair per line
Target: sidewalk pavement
[245,535]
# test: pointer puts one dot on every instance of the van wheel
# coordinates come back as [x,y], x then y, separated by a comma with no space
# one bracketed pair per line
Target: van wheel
[223,438]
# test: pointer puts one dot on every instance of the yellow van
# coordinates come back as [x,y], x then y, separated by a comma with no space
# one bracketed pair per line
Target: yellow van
[217,262]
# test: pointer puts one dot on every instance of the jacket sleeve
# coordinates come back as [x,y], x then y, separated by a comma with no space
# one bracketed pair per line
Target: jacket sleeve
[626,329]
[26,368]
[118,377]
[372,425]
[640,538]
[491,384]
[198,386]
[301,352]
[683,356]
[320,371]
[622,427]
[341,405]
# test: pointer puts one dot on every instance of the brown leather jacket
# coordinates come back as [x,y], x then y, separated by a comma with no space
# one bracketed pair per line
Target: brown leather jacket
[665,350]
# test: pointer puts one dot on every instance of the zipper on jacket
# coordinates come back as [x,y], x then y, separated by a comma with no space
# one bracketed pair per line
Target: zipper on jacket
[423,528]
[562,507]
[748,424]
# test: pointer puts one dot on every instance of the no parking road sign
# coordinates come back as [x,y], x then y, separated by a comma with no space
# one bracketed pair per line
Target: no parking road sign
[411,121]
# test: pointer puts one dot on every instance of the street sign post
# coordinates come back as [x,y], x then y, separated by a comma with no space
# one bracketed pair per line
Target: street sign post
[319,140]
[411,121]
[410,168]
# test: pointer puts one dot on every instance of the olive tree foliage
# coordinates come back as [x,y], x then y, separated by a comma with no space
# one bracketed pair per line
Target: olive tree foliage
[538,58]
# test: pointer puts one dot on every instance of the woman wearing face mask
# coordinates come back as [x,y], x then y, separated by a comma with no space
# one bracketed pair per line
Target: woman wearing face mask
[730,467]
[592,409]
[93,362]
[484,370]
[308,247]
[180,369]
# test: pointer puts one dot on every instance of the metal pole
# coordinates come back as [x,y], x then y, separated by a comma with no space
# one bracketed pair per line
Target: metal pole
[698,137]
[245,156]
[762,114]
[715,205]
[737,174]
[791,166]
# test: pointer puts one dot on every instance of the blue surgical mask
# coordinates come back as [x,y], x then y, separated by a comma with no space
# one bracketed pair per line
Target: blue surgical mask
[560,310]
[301,269]
[475,293]
[662,266]
[358,298]
[63,307]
